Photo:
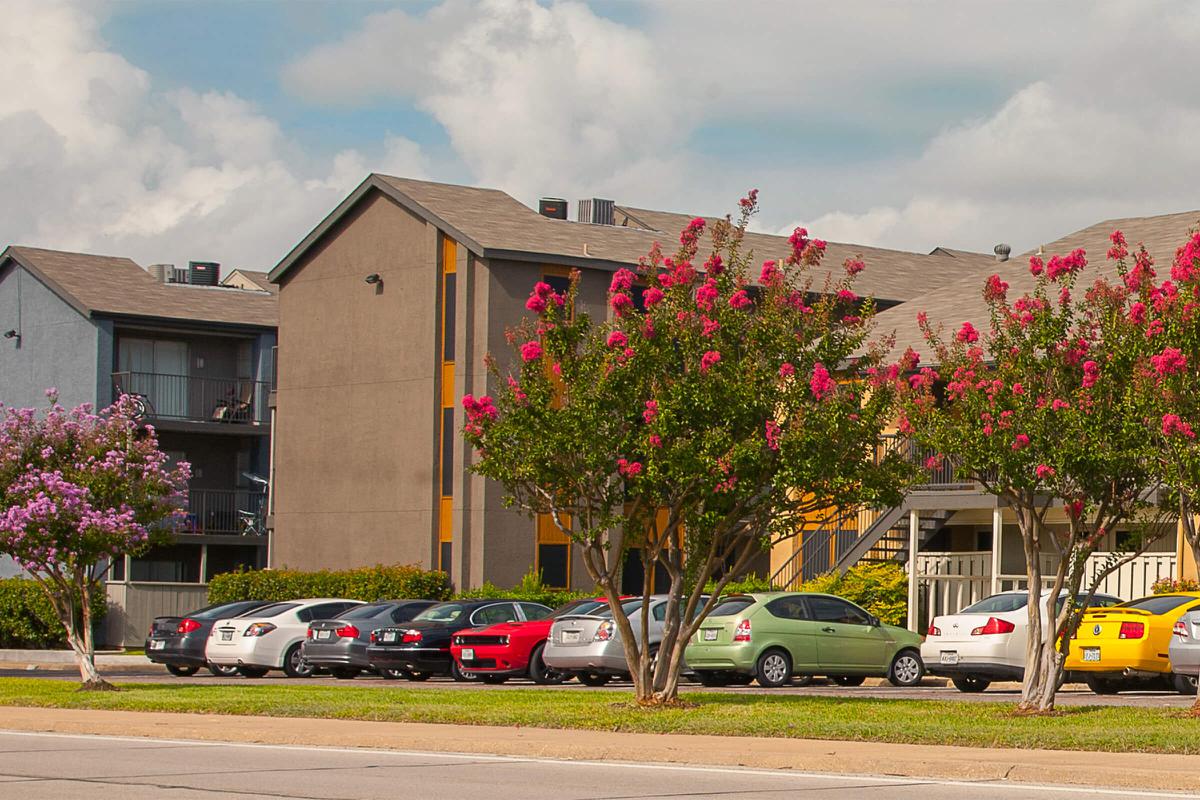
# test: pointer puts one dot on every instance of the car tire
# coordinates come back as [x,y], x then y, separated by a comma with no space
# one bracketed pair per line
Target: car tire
[494,680]
[419,677]
[593,678]
[970,684]
[294,665]
[344,673]
[252,672]
[849,680]
[1184,684]
[222,670]
[712,678]
[461,675]
[392,674]
[182,671]
[773,669]
[1100,685]
[907,669]
[541,674]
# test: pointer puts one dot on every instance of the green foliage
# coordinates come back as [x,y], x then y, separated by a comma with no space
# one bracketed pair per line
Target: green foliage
[750,583]
[530,588]
[881,589]
[1170,586]
[367,583]
[27,619]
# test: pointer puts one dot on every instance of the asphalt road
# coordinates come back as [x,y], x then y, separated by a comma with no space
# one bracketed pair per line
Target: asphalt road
[1071,694]
[53,766]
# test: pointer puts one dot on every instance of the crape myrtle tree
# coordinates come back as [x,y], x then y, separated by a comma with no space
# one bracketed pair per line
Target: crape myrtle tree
[1041,410]
[79,490]
[698,426]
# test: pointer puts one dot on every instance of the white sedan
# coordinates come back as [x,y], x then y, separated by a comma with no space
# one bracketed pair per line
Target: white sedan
[270,637]
[985,642]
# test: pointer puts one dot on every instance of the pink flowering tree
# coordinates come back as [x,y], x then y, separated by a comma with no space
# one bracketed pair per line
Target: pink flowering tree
[1041,409]
[723,412]
[77,491]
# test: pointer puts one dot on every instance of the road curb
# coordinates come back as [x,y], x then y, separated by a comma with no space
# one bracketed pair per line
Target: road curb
[1076,768]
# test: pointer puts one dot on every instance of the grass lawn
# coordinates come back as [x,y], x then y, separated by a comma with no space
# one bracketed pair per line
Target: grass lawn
[1108,728]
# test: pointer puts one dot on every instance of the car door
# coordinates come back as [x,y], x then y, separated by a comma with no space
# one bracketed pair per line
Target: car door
[787,621]
[494,614]
[846,639]
[534,611]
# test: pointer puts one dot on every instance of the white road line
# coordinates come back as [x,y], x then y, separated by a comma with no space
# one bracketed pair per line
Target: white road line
[776,773]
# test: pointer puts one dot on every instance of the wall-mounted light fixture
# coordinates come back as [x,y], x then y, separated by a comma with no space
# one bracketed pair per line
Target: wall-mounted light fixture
[11,333]
[373,278]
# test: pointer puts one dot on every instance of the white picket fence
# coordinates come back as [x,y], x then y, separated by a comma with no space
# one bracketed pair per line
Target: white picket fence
[949,582]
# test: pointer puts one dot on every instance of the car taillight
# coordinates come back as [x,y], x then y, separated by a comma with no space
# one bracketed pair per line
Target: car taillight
[933,631]
[1132,630]
[187,626]
[994,625]
[347,632]
[741,632]
[259,629]
[308,634]
[374,638]
[1180,630]
[604,632]
[410,637]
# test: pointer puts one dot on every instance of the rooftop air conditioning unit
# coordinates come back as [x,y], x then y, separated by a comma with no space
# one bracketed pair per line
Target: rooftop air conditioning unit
[204,273]
[597,212]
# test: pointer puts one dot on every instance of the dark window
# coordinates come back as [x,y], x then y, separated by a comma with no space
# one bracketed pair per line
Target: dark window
[535,611]
[368,611]
[324,611]
[442,612]
[559,283]
[404,613]
[174,563]
[444,549]
[448,316]
[659,612]
[552,562]
[116,572]
[790,607]
[226,610]
[447,452]
[639,297]
[273,610]
[732,607]
[230,558]
[493,615]
[1158,605]
[830,609]
[580,607]
[998,604]
[633,572]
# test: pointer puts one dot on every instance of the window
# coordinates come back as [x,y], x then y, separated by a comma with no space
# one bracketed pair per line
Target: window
[494,614]
[442,612]
[406,611]
[274,610]
[447,452]
[175,563]
[445,425]
[998,604]
[830,609]
[790,607]
[450,301]
[580,607]
[444,551]
[659,612]
[1159,604]
[731,606]
[552,553]
[324,611]
[534,611]
[369,611]
[225,610]
[230,558]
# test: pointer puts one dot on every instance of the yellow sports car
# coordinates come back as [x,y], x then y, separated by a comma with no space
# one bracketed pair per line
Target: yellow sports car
[1125,646]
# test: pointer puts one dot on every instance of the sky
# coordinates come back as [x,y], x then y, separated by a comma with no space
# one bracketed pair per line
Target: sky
[169,131]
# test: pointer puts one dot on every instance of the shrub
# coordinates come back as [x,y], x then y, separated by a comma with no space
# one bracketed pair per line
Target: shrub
[1169,585]
[750,583]
[367,583]
[530,588]
[27,620]
[881,589]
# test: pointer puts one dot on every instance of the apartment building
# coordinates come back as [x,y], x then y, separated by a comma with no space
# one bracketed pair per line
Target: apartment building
[199,353]
[387,309]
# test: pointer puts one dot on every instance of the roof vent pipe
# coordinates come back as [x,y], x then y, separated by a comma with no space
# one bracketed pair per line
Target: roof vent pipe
[1002,250]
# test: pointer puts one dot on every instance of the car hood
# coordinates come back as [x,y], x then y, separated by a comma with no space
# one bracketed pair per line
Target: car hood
[508,628]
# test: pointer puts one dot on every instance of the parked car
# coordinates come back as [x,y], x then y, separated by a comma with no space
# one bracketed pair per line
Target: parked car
[271,637]
[1184,652]
[514,649]
[588,645]
[985,641]
[775,635]
[340,645]
[1127,646]
[178,642]
[421,648]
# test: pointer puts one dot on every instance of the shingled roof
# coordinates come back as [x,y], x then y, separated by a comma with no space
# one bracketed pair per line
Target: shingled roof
[491,224]
[109,286]
[962,301]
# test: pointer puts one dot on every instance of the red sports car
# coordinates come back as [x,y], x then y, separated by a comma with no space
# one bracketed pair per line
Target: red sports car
[513,649]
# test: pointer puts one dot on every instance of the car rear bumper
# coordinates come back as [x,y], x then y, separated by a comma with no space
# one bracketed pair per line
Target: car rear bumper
[240,653]
[720,657]
[336,655]
[182,651]
[978,669]
[1185,658]
[414,659]
[586,659]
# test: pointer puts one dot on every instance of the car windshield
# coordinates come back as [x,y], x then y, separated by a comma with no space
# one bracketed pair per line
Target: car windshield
[731,606]
[442,612]
[368,611]
[998,604]
[579,607]
[275,609]
[628,607]
[1159,604]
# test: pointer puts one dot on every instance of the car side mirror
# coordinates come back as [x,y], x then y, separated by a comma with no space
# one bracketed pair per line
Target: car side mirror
[876,621]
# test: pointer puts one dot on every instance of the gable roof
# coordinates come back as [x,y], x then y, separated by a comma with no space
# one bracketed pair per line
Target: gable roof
[253,276]
[962,301]
[109,286]
[491,224]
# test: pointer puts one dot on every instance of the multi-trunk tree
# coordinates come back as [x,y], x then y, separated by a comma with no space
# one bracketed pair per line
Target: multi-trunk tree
[1041,409]
[79,490]
[717,409]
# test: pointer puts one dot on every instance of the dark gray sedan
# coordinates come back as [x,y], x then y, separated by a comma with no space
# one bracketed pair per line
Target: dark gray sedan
[178,642]
[340,645]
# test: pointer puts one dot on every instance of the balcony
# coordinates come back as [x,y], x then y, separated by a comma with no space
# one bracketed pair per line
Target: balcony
[225,512]
[236,402]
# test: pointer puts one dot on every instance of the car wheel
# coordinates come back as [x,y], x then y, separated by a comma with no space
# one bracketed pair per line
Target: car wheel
[252,672]
[294,664]
[774,669]
[907,669]
[593,678]
[1102,685]
[222,670]
[712,678]
[1184,684]
[493,680]
[419,676]
[344,673]
[181,671]
[390,674]
[461,675]
[970,684]
[849,680]
[541,674]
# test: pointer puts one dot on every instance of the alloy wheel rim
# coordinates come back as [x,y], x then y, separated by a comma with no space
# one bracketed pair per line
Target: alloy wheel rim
[299,664]
[906,669]
[774,668]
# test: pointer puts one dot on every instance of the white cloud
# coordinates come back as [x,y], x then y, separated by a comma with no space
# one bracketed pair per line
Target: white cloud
[94,158]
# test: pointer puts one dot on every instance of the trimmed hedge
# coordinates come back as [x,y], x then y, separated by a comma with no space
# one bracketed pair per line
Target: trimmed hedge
[28,621]
[881,589]
[367,583]
[746,585]
[530,589]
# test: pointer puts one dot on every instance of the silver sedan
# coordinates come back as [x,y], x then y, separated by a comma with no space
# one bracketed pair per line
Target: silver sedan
[1184,651]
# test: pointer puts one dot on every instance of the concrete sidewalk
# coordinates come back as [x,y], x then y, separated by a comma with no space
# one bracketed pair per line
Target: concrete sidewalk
[65,660]
[1118,770]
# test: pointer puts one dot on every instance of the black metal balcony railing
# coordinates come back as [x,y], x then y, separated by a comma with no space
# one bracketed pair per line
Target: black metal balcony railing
[182,397]
[224,512]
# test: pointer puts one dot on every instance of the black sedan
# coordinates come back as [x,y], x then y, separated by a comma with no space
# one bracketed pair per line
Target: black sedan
[340,645]
[178,642]
[421,648]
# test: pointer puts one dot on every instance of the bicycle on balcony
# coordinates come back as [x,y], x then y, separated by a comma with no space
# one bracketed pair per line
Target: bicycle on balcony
[253,522]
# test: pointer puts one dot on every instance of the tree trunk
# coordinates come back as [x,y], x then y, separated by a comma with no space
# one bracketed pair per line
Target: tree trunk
[83,643]
[1043,662]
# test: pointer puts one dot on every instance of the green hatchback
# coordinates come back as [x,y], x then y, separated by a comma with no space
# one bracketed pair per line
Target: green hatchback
[771,636]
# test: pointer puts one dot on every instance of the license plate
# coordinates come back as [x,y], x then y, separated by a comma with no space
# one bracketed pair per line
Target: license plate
[389,636]
[949,657]
[709,634]
[323,635]
[227,636]
[1091,654]
[157,645]
[468,654]
[571,637]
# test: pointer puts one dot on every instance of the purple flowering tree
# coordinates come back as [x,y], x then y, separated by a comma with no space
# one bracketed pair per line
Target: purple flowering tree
[726,411]
[79,490]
